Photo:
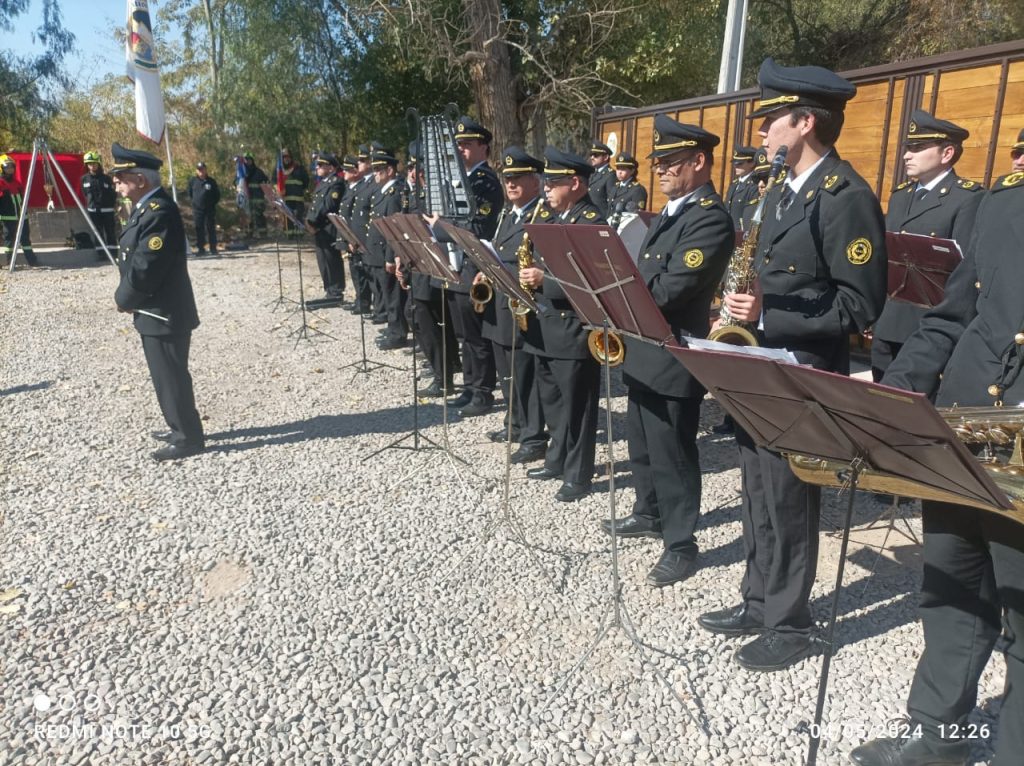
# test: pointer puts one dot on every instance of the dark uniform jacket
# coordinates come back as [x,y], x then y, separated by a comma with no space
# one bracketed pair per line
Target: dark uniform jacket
[682,261]
[822,266]
[625,198]
[557,332]
[326,199]
[971,342]
[295,185]
[498,320]
[98,190]
[486,189]
[394,200]
[254,176]
[738,196]
[154,269]
[947,211]
[362,197]
[204,193]
[601,181]
[420,284]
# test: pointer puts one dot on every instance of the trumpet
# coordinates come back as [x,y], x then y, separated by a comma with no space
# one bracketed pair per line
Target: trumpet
[480,294]
[613,354]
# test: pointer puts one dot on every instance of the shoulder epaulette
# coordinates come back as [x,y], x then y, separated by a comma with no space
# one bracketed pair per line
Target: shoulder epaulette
[966,183]
[1009,181]
[903,186]
[833,182]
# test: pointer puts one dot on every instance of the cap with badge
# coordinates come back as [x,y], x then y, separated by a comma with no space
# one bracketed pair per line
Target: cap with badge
[924,128]
[671,137]
[131,159]
[363,153]
[625,160]
[1019,146]
[516,162]
[743,154]
[382,157]
[762,165]
[559,164]
[467,128]
[350,161]
[326,158]
[597,148]
[784,87]
[200,166]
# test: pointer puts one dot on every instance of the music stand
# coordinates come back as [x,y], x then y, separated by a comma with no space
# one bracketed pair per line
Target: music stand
[598,275]
[835,420]
[919,267]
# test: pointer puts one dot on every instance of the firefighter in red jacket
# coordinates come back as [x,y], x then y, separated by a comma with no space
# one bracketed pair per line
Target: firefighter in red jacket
[12,198]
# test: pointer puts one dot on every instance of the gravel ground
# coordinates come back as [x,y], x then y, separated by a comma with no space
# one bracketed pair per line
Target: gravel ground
[282,600]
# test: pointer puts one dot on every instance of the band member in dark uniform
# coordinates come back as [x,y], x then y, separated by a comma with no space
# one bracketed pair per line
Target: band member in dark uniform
[367,297]
[744,185]
[392,196]
[682,260]
[569,378]
[100,201]
[759,175]
[602,178]
[821,269]
[479,376]
[968,351]
[327,200]
[521,175]
[937,203]
[627,195]
[354,255]
[156,288]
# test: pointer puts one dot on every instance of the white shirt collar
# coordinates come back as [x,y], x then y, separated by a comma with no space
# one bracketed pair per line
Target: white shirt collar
[673,206]
[935,181]
[796,182]
[472,170]
[519,210]
[146,196]
[388,185]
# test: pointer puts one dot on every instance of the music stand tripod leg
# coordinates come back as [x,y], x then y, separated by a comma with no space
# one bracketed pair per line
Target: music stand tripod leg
[303,331]
[364,365]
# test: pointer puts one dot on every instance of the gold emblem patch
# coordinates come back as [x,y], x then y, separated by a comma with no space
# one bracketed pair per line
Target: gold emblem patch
[693,258]
[461,128]
[508,159]
[707,202]
[967,184]
[1013,179]
[913,127]
[590,215]
[831,181]
[545,214]
[485,209]
[155,243]
[657,137]
[154,206]
[334,195]
[858,252]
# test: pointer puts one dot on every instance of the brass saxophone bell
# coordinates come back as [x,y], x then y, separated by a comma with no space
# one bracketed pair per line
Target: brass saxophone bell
[615,352]
[480,294]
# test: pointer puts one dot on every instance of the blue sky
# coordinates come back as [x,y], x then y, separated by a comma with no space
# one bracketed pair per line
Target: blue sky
[96,52]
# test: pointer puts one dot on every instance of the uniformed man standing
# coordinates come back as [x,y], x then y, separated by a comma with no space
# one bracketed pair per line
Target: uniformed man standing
[362,202]
[478,374]
[569,378]
[520,175]
[204,194]
[968,351]
[296,182]
[744,186]
[627,195]
[682,260]
[327,200]
[821,271]
[936,203]
[602,178]
[100,201]
[254,177]
[12,198]
[155,287]
[391,196]
[355,210]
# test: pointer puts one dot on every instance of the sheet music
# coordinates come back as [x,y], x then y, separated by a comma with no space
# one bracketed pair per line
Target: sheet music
[778,354]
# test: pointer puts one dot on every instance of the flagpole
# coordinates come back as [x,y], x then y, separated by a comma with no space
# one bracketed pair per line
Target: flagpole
[170,162]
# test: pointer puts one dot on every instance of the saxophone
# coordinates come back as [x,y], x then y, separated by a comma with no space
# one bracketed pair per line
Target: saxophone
[524,256]
[740,275]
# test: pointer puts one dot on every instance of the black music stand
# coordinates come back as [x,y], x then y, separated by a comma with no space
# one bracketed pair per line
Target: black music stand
[919,267]
[847,422]
[598,275]
[280,300]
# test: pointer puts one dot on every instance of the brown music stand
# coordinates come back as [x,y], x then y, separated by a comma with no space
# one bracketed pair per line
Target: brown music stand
[790,408]
[919,267]
[598,275]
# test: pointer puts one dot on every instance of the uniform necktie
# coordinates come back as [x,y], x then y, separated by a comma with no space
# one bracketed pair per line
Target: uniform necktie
[784,202]
[918,196]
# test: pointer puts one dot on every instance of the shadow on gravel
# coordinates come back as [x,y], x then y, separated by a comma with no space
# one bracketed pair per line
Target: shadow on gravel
[723,555]
[24,388]
[874,622]
[395,420]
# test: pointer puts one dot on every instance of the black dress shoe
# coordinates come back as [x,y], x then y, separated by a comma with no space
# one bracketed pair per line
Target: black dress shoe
[912,751]
[162,436]
[177,451]
[633,526]
[379,320]
[571,491]
[390,344]
[529,454]
[501,436]
[671,568]
[462,399]
[774,651]
[478,405]
[544,473]
[734,621]
[435,389]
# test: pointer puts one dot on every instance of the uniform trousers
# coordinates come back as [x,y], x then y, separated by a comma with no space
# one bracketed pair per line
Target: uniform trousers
[376,275]
[780,539]
[503,369]
[104,223]
[328,260]
[973,568]
[569,393]
[167,357]
[430,333]
[360,282]
[662,434]
[394,305]
[478,370]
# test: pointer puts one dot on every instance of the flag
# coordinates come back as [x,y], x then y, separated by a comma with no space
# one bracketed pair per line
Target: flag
[241,184]
[280,172]
[140,54]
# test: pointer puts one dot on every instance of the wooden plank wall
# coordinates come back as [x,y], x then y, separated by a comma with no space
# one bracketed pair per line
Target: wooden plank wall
[984,96]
